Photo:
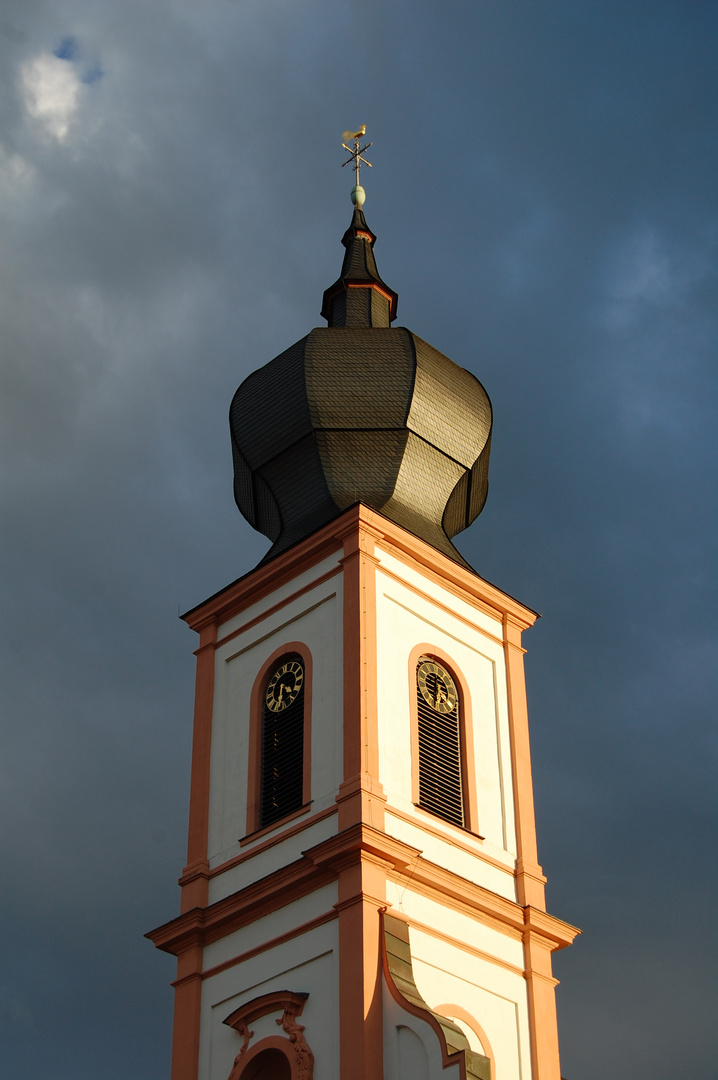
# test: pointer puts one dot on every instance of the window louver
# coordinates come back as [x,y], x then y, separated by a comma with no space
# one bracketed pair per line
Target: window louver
[440,784]
[282,784]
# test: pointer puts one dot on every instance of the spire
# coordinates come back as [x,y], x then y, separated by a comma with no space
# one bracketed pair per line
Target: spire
[359,297]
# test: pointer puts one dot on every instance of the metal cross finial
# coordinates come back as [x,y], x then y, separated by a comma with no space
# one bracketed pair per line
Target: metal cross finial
[355,156]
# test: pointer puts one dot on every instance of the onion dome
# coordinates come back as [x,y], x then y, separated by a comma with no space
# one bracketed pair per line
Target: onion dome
[360,412]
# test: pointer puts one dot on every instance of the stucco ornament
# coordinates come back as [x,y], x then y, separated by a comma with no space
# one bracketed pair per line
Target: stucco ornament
[294,1047]
[295,1031]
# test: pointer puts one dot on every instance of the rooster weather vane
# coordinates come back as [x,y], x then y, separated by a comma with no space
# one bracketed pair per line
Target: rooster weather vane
[356,158]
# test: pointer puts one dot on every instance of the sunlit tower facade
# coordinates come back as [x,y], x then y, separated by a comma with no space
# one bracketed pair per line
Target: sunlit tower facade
[362,898]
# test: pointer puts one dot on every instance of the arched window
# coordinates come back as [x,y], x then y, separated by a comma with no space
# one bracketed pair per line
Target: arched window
[441,782]
[270,1064]
[282,740]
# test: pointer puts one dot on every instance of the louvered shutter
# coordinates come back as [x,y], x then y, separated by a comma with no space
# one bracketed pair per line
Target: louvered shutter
[440,779]
[282,778]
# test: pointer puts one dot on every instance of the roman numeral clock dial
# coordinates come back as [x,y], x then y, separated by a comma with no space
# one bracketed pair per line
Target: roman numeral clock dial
[284,686]
[437,687]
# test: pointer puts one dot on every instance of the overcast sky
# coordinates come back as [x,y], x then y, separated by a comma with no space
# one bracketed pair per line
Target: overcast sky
[171,205]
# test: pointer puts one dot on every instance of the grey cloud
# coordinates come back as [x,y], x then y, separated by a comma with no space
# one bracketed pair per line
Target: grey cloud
[544,197]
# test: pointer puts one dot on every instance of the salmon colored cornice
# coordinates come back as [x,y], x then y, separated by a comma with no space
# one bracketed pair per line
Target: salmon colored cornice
[324,862]
[397,541]
[203,925]
[344,286]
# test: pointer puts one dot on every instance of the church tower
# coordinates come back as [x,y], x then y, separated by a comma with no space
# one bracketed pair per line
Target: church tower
[362,898]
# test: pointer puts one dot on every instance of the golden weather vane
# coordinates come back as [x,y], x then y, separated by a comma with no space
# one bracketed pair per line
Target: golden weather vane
[355,156]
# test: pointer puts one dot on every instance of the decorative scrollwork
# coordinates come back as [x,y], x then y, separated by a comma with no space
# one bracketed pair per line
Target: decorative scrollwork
[246,1034]
[295,1031]
[294,1046]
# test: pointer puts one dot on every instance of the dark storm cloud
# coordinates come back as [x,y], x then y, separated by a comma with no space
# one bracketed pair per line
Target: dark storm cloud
[544,195]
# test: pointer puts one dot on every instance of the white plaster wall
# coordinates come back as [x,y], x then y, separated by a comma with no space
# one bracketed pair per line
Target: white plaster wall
[281,921]
[490,987]
[281,593]
[315,618]
[411,1046]
[307,964]
[444,853]
[407,617]
[494,997]
[266,861]
[417,580]
[448,923]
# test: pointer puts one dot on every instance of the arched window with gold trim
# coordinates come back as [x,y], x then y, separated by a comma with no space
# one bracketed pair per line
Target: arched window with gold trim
[282,740]
[441,782]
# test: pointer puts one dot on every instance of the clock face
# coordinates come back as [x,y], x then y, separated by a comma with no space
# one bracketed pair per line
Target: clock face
[437,687]
[284,686]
